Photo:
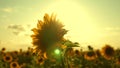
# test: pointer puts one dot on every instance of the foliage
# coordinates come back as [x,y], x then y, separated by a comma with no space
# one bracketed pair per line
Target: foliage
[69,58]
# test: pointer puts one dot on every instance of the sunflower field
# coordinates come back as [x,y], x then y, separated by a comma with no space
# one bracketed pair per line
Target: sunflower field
[107,57]
[51,50]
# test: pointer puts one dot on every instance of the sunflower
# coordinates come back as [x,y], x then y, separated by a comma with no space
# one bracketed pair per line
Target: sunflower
[3,49]
[77,53]
[98,53]
[90,55]
[14,53]
[7,58]
[48,32]
[118,60]
[20,52]
[69,52]
[3,65]
[90,47]
[23,65]
[14,65]
[27,53]
[40,60]
[107,52]
[30,49]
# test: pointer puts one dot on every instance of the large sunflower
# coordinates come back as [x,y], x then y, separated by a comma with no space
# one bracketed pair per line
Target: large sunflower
[90,55]
[7,58]
[48,32]
[14,65]
[107,52]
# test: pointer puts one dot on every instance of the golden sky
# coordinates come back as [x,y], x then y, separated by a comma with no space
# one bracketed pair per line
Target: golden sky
[90,22]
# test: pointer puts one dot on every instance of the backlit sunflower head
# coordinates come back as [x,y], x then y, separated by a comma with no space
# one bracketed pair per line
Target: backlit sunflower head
[27,53]
[14,65]
[98,53]
[7,58]
[3,65]
[90,55]
[77,53]
[14,53]
[118,60]
[40,60]
[47,32]
[107,52]
[3,49]
[20,51]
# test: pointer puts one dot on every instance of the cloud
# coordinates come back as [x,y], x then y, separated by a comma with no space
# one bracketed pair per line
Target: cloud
[20,29]
[17,27]
[16,33]
[112,31]
[8,9]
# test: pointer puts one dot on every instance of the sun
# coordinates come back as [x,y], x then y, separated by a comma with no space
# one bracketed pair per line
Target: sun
[76,19]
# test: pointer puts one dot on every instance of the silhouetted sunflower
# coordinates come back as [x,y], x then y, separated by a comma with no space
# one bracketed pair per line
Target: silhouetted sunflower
[14,53]
[3,49]
[40,60]
[107,52]
[14,65]
[98,53]
[90,55]
[20,51]
[27,53]
[69,52]
[7,58]
[77,53]
[118,60]
[48,32]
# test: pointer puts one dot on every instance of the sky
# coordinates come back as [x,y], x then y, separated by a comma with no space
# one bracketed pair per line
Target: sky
[90,22]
